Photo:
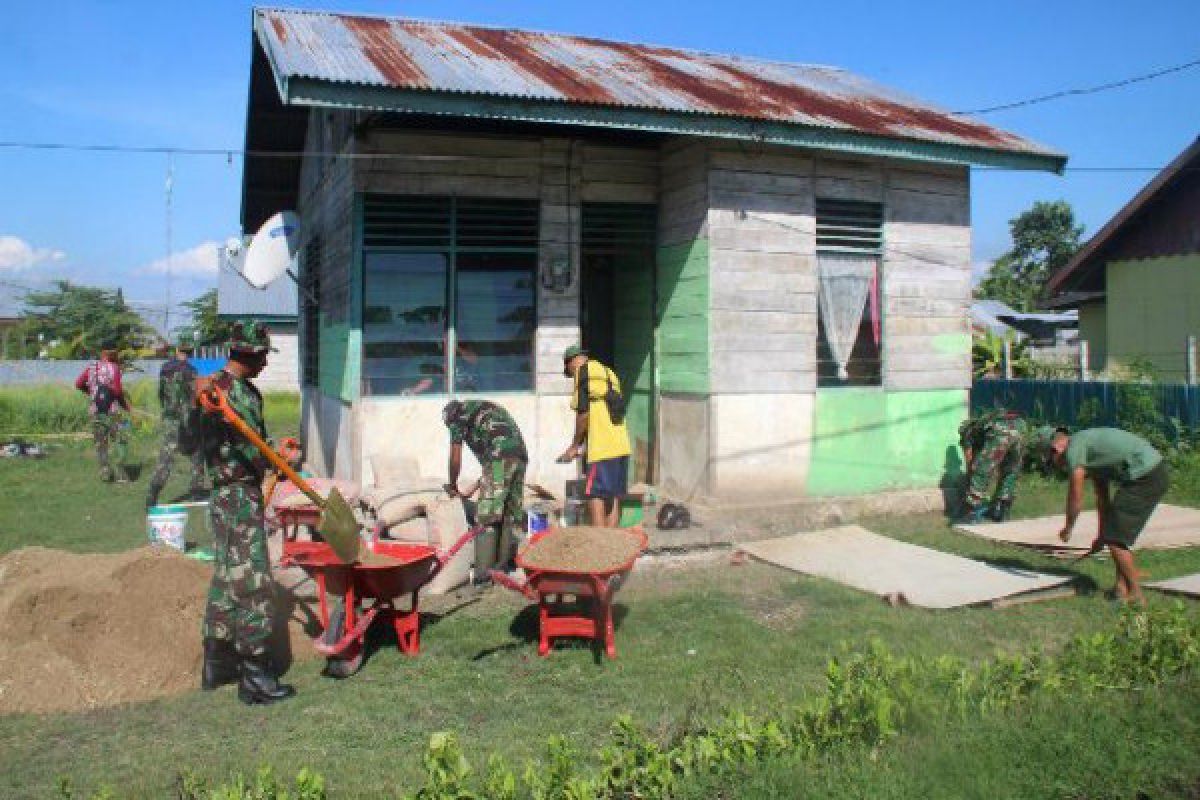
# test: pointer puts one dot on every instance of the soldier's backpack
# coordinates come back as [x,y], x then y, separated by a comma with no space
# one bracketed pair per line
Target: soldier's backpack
[191,427]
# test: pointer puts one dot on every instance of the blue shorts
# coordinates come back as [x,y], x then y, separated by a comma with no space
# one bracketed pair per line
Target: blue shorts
[607,478]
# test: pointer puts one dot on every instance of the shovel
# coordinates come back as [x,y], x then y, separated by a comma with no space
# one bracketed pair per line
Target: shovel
[337,525]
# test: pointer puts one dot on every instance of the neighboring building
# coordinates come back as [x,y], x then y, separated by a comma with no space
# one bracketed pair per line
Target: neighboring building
[275,306]
[1046,329]
[775,258]
[1136,283]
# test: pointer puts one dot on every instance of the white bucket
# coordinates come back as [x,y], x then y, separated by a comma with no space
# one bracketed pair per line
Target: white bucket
[167,525]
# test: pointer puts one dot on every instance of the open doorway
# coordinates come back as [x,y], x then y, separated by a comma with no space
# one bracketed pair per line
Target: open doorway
[618,311]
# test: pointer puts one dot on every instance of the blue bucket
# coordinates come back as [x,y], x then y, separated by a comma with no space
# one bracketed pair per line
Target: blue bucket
[538,520]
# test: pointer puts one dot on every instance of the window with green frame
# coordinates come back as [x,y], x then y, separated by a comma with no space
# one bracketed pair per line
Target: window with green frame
[449,294]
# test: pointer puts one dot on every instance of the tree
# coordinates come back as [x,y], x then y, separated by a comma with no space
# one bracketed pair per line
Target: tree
[1044,239]
[78,321]
[207,327]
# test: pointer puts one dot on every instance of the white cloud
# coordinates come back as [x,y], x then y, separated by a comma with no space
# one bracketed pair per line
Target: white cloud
[979,271]
[199,260]
[17,254]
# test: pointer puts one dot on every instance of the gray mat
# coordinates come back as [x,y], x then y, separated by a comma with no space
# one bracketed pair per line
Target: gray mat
[1169,527]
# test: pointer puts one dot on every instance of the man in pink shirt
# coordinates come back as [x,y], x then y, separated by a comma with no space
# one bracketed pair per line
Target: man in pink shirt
[101,382]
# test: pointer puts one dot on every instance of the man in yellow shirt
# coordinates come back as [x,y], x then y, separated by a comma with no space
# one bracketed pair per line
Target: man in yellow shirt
[606,464]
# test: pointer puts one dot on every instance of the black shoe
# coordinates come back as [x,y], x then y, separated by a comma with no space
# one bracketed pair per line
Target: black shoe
[1000,511]
[259,686]
[220,664]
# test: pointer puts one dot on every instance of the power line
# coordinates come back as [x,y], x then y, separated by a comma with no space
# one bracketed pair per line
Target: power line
[1103,87]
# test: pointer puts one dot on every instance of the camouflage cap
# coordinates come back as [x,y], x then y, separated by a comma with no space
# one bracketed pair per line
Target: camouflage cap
[1041,439]
[249,336]
[453,411]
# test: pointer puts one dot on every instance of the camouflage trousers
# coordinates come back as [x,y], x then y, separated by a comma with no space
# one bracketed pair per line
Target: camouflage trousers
[167,449]
[109,438]
[501,510]
[997,460]
[241,596]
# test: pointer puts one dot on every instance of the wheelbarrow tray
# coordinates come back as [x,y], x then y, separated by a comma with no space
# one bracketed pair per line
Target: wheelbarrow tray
[406,569]
[558,619]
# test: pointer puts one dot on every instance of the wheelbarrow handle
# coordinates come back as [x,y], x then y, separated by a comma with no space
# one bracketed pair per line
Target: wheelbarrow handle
[444,557]
[500,579]
[214,401]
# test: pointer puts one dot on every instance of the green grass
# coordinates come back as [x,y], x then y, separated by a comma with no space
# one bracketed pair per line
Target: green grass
[59,501]
[691,643]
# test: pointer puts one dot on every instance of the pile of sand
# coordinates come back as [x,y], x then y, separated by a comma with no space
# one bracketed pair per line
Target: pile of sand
[582,549]
[87,631]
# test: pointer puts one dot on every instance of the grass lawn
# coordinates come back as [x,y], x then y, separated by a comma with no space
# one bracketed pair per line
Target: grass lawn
[691,642]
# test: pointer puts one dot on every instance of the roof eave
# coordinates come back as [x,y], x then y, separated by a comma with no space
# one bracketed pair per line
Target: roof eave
[301,91]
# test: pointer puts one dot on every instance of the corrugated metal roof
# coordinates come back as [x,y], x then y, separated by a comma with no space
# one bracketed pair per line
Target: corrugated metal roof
[467,59]
[237,298]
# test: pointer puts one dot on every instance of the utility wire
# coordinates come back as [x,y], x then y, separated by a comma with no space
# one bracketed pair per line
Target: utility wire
[1103,87]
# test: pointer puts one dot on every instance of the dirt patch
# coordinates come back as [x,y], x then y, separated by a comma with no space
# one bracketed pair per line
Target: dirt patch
[582,549]
[88,631]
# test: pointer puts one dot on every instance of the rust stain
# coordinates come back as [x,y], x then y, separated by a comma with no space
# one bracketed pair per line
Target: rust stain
[381,49]
[711,95]
[280,29]
[521,50]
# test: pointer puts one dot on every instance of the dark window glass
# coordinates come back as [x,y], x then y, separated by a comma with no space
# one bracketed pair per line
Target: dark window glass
[495,321]
[404,323]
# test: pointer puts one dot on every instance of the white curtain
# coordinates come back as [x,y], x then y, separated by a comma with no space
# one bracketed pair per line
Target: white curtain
[844,280]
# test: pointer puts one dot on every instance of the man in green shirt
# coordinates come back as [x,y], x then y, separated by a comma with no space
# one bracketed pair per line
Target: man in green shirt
[1111,456]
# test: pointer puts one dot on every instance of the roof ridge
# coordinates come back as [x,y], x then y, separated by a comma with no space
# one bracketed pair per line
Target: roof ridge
[554,34]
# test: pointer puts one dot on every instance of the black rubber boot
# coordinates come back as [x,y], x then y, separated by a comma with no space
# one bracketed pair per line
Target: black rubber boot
[259,686]
[1000,510]
[220,664]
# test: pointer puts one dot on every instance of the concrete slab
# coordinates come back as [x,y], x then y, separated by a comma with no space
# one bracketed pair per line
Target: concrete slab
[1169,527]
[1187,585]
[901,573]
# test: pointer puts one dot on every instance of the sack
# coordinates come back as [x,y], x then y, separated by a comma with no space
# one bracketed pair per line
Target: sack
[614,400]
[104,398]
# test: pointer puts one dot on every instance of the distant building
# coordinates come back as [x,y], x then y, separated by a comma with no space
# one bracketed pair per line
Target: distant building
[1136,283]
[275,306]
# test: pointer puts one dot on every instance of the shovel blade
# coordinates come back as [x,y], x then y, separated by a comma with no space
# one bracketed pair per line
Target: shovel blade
[339,527]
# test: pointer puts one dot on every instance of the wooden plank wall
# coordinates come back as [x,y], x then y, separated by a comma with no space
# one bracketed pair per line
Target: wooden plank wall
[927,278]
[683,269]
[763,271]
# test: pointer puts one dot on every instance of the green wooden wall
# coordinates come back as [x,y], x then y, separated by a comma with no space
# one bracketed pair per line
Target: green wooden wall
[1153,305]
[683,303]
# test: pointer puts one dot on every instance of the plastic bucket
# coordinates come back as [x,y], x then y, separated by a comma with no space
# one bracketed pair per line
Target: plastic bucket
[167,525]
[538,520]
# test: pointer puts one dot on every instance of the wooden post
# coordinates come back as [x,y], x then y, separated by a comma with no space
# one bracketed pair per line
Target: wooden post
[1083,359]
[1008,368]
[1191,360]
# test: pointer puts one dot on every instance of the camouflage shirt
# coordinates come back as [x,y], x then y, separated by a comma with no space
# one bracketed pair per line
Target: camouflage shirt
[976,430]
[490,432]
[230,458]
[175,388]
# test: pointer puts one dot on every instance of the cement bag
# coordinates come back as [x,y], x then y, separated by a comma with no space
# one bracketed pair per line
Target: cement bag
[437,519]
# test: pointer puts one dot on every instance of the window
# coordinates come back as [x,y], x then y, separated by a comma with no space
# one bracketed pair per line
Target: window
[310,318]
[849,244]
[449,291]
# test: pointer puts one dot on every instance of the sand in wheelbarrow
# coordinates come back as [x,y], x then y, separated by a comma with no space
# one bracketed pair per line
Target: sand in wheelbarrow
[582,549]
[88,631]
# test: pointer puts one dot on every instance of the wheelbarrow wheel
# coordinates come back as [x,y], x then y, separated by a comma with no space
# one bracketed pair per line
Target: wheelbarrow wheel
[341,667]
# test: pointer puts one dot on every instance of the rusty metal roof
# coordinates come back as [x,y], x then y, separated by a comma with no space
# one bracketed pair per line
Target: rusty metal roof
[438,57]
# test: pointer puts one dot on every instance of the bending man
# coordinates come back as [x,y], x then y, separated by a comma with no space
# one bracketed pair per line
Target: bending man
[494,438]
[993,447]
[1111,456]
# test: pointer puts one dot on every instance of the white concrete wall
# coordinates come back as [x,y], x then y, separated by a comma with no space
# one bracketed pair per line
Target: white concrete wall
[283,368]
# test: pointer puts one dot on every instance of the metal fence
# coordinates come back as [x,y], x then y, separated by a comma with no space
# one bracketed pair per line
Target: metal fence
[1061,401]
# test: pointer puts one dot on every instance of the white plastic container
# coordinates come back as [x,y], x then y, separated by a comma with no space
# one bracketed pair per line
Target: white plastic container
[167,525]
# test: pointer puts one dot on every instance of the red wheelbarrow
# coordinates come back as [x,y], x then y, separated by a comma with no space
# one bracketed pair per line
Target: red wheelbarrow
[589,616]
[387,572]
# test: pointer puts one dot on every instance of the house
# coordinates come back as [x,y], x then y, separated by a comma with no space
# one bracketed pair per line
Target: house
[1136,283]
[275,306]
[1047,329]
[774,257]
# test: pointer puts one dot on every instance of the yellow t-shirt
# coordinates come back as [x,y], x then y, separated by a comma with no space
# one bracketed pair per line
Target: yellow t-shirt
[605,439]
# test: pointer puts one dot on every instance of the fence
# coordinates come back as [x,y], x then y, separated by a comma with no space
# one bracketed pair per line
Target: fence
[1060,401]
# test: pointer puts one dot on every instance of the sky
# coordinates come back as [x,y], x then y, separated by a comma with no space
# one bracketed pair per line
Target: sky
[176,74]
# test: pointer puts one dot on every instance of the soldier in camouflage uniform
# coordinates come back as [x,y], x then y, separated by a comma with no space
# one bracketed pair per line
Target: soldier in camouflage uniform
[240,611]
[494,438]
[993,448]
[175,382]
[101,382]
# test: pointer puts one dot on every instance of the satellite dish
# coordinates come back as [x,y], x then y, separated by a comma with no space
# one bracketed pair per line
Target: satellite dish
[273,249]
[233,246]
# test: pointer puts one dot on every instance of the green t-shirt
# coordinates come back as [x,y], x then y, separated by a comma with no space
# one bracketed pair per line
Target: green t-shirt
[1112,454]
